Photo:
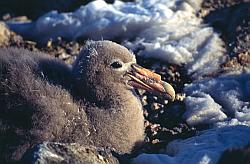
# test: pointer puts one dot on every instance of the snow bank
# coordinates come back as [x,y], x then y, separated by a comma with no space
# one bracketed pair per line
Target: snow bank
[182,39]
[97,20]
[219,101]
[205,148]
[162,29]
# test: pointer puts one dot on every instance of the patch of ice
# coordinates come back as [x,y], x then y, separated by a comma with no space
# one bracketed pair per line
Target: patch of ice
[205,148]
[97,20]
[43,152]
[162,29]
[201,109]
[224,98]
[182,40]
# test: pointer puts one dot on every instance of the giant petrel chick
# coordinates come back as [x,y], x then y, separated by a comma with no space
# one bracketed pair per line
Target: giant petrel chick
[91,102]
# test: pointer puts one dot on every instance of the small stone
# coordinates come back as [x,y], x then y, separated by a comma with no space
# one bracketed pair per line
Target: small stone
[64,56]
[30,42]
[156,106]
[155,127]
[154,133]
[147,123]
[145,113]
[232,63]
[6,17]
[144,100]
[49,43]
[245,58]
[180,96]
[21,19]
[165,102]
[155,141]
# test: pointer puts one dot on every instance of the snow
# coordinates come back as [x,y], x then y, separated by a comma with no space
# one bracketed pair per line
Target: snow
[204,148]
[161,29]
[219,101]
[170,31]
[202,109]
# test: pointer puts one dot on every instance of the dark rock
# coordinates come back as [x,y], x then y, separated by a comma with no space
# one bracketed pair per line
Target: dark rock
[52,152]
[233,22]
[236,155]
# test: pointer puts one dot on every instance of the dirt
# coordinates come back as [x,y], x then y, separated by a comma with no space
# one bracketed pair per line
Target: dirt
[164,121]
[231,19]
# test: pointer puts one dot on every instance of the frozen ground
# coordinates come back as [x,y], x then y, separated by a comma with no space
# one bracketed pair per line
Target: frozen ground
[162,29]
[171,32]
[204,148]
[221,101]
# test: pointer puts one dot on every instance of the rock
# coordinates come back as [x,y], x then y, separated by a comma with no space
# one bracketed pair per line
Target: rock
[53,152]
[236,155]
[244,58]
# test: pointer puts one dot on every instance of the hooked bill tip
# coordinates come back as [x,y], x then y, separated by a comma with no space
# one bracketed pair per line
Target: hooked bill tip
[169,90]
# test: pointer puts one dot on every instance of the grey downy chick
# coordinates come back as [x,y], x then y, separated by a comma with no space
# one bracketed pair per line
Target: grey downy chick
[91,102]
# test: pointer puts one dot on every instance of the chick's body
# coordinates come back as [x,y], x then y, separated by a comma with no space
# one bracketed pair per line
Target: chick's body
[43,99]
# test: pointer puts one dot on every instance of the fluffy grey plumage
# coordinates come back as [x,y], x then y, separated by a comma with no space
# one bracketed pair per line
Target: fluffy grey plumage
[42,99]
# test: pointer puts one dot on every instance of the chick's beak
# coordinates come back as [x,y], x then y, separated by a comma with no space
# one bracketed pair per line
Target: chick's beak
[145,79]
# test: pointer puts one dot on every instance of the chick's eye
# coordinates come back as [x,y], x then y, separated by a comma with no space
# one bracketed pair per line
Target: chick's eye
[116,64]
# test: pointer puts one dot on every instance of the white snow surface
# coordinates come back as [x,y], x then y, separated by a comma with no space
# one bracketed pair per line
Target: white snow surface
[221,101]
[168,30]
[201,109]
[204,148]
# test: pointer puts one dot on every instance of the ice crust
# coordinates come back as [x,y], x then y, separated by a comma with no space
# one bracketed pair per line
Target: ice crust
[219,101]
[161,29]
[204,148]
